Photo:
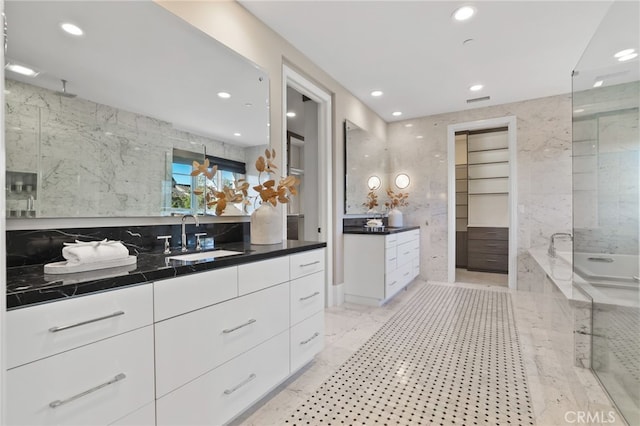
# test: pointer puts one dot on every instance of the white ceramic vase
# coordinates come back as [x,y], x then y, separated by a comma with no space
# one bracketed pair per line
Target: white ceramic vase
[395,218]
[266,225]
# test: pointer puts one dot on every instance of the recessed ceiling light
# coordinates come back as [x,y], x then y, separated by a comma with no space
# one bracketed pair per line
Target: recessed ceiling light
[624,52]
[72,29]
[291,114]
[598,83]
[419,137]
[376,93]
[396,113]
[408,125]
[578,111]
[476,87]
[224,95]
[237,134]
[21,69]
[463,13]
[628,57]
[248,104]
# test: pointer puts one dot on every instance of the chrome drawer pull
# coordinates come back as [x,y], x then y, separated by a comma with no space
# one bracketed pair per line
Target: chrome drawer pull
[304,342]
[393,258]
[66,327]
[231,330]
[393,283]
[309,296]
[309,264]
[407,252]
[407,274]
[491,260]
[239,385]
[58,402]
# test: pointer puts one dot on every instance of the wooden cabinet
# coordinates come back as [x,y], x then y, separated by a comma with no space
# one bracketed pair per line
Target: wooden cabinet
[378,266]
[488,249]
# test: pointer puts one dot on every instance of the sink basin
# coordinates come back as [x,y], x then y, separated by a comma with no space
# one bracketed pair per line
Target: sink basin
[204,255]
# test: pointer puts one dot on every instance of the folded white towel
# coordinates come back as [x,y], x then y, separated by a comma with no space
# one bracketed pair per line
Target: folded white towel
[94,251]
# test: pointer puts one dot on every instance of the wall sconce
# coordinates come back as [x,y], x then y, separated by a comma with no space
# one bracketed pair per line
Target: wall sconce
[374,182]
[402,180]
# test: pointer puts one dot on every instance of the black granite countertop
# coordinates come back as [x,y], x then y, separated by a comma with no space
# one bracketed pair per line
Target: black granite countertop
[385,231]
[29,285]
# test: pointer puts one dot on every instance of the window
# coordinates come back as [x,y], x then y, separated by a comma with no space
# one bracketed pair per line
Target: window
[187,192]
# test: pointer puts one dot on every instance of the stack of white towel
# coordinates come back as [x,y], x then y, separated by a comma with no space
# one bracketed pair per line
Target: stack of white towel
[94,251]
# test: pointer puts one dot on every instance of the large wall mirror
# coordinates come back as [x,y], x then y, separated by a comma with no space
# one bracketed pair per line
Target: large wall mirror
[366,168]
[93,130]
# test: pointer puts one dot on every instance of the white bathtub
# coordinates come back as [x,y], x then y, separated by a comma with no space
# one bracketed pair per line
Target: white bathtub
[621,268]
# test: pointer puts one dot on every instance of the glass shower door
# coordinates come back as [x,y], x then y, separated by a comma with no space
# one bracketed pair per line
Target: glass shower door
[606,147]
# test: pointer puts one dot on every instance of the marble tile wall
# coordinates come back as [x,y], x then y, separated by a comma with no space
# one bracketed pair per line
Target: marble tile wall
[92,159]
[543,181]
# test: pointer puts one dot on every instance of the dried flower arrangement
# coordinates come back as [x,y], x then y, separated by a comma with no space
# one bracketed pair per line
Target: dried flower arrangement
[396,199]
[213,197]
[372,200]
[268,190]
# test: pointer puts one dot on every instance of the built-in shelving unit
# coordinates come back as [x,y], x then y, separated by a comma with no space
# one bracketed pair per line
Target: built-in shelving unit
[21,193]
[487,196]
[462,200]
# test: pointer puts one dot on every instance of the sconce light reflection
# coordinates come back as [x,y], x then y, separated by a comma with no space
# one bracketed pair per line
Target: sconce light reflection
[402,180]
[374,182]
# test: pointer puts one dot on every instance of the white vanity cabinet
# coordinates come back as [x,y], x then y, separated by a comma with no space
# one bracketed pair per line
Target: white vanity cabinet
[377,266]
[212,363]
[87,360]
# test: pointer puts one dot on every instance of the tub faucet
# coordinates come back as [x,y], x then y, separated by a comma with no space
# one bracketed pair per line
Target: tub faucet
[184,234]
[552,247]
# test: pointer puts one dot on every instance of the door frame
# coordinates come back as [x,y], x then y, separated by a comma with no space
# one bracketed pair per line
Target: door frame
[292,78]
[511,123]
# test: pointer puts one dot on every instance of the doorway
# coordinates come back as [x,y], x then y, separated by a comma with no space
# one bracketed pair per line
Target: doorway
[482,200]
[317,169]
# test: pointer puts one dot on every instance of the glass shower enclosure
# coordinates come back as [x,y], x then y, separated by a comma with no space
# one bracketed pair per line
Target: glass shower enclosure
[606,142]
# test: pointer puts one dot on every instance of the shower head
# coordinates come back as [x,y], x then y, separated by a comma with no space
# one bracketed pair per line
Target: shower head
[64,91]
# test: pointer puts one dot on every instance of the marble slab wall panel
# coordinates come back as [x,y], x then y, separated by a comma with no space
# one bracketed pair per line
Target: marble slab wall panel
[543,181]
[95,160]
[33,247]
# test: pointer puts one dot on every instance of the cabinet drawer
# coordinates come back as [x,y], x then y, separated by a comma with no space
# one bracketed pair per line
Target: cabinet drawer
[398,279]
[44,330]
[482,233]
[390,240]
[125,360]
[391,259]
[406,253]
[145,416]
[307,296]
[489,246]
[306,263]
[488,262]
[404,237]
[307,340]
[175,296]
[266,273]
[192,344]
[225,392]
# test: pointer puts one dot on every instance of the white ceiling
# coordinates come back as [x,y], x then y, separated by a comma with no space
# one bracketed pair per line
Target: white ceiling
[137,56]
[414,51]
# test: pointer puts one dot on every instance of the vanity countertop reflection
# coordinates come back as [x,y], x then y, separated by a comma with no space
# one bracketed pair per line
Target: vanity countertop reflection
[384,231]
[29,285]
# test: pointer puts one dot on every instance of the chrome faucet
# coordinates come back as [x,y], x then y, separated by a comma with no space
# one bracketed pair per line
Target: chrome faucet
[552,247]
[184,234]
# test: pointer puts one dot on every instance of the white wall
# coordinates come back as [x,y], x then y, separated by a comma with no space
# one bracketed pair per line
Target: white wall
[231,24]
[543,183]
